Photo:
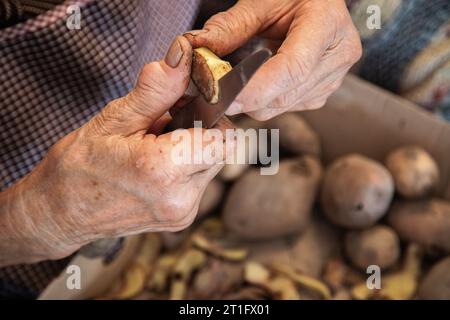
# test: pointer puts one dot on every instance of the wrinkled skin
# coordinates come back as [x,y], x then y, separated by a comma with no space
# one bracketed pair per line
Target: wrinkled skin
[319,45]
[112,177]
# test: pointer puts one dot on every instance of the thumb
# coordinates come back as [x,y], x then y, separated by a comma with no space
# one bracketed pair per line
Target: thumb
[159,86]
[226,31]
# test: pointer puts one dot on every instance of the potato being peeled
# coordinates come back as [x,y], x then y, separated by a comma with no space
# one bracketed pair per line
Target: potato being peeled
[207,69]
[356,191]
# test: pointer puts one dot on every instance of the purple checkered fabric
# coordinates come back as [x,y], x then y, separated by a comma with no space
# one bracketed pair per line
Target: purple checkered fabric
[53,80]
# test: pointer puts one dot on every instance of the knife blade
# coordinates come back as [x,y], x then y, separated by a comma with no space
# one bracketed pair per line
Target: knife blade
[230,86]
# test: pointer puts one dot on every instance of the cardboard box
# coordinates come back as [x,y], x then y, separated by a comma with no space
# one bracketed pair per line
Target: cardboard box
[359,117]
[363,118]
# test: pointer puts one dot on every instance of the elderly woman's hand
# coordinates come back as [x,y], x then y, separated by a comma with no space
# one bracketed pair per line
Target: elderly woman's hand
[319,46]
[114,176]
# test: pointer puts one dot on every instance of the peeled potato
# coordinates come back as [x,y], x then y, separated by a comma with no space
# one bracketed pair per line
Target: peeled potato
[415,172]
[356,191]
[207,69]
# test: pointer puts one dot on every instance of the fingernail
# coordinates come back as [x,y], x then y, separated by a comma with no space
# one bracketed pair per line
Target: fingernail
[235,108]
[174,54]
[195,33]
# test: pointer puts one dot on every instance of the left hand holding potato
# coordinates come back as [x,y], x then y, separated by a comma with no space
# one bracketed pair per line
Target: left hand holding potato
[320,45]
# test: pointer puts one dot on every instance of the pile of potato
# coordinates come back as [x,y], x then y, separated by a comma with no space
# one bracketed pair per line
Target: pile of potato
[308,232]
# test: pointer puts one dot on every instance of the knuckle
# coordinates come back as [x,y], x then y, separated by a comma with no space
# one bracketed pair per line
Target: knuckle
[298,69]
[334,86]
[316,104]
[179,212]
[285,100]
[261,116]
[221,21]
[355,49]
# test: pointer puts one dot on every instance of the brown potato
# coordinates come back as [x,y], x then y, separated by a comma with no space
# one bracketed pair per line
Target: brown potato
[356,191]
[415,172]
[307,252]
[436,283]
[296,136]
[378,245]
[211,198]
[262,207]
[426,222]
[207,69]
[244,150]
[310,251]
[217,279]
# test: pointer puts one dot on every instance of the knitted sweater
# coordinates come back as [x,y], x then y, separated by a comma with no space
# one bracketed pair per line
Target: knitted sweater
[410,53]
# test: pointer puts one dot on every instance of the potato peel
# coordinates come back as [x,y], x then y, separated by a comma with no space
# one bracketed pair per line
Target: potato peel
[399,285]
[159,280]
[255,273]
[304,280]
[206,245]
[189,262]
[133,282]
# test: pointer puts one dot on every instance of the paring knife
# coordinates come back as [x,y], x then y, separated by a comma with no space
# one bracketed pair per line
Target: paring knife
[230,85]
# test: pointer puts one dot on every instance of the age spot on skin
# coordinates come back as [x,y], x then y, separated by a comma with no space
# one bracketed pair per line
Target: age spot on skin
[140,162]
[94,183]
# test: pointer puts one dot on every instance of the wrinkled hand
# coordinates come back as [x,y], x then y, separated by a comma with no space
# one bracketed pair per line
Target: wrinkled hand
[115,175]
[320,45]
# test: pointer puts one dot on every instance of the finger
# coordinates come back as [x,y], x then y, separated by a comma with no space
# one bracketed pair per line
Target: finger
[325,88]
[229,30]
[317,85]
[314,99]
[294,63]
[159,86]
[159,125]
[194,150]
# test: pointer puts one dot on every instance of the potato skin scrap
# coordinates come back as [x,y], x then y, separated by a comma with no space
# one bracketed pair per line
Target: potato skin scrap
[426,222]
[415,172]
[356,191]
[207,69]
[399,285]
